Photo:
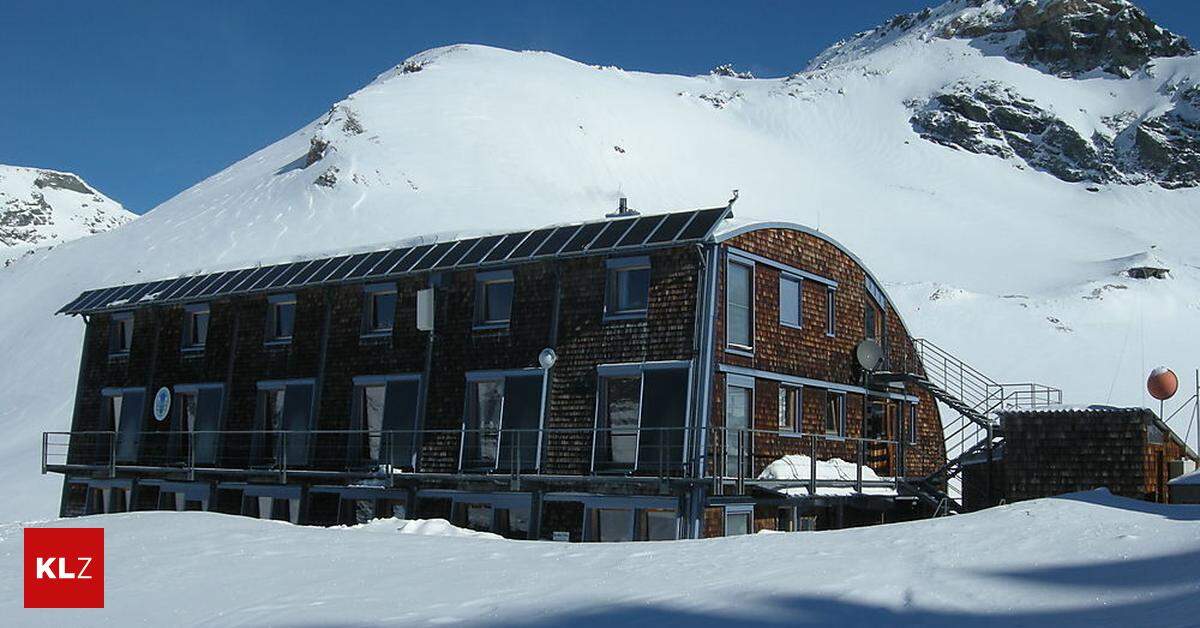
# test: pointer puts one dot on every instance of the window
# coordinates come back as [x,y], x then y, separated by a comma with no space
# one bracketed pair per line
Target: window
[641,416]
[628,289]
[613,525]
[739,307]
[283,422]
[739,520]
[281,318]
[125,410]
[384,429]
[835,413]
[120,333]
[873,321]
[657,525]
[789,408]
[197,419]
[195,327]
[503,420]
[379,316]
[739,415]
[493,298]
[830,312]
[791,292]
[911,428]
[877,413]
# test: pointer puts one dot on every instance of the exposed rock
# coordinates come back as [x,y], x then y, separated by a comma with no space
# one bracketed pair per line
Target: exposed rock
[720,99]
[992,119]
[316,151]
[728,70]
[328,178]
[1147,272]
[61,181]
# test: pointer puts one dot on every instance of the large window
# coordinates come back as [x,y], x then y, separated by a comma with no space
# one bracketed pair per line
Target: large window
[835,413]
[124,408]
[379,313]
[739,305]
[493,298]
[790,408]
[739,418]
[628,289]
[642,414]
[195,327]
[791,295]
[385,423]
[281,318]
[283,422]
[120,333]
[197,418]
[502,425]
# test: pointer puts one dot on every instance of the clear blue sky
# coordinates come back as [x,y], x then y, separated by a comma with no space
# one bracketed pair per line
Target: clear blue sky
[145,99]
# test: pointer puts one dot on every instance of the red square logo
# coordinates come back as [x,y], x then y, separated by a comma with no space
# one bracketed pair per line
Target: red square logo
[64,567]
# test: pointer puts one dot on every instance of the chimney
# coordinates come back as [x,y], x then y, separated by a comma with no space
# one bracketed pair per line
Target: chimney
[623,210]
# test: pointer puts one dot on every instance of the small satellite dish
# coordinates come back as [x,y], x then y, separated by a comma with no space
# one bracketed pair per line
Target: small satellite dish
[547,358]
[869,355]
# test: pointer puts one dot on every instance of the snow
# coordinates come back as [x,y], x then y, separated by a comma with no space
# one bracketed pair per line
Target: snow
[45,213]
[1187,479]
[1086,559]
[1008,268]
[794,468]
[425,527]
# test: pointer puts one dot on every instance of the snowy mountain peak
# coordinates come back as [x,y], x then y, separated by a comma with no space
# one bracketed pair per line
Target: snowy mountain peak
[41,207]
[1062,37]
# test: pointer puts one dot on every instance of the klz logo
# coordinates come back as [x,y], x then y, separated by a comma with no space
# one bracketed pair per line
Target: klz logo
[64,567]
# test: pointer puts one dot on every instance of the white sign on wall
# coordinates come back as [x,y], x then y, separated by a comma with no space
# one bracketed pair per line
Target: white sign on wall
[162,404]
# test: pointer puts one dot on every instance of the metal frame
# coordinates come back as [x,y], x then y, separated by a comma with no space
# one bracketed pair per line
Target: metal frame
[627,369]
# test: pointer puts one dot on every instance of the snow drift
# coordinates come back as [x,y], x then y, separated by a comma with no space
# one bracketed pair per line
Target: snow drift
[1082,560]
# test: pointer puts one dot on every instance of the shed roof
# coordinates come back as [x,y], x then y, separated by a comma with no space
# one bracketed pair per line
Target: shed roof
[1148,416]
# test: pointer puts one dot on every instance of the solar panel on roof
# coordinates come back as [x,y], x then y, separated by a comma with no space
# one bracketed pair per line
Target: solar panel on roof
[387,262]
[408,261]
[367,264]
[73,303]
[195,287]
[611,234]
[583,237]
[93,298]
[250,279]
[328,269]
[476,254]
[308,270]
[118,296]
[704,221]
[267,278]
[556,240]
[670,227]
[505,247]
[433,256]
[169,286]
[346,267]
[179,286]
[461,248]
[141,291]
[213,286]
[531,243]
[289,271]
[639,231]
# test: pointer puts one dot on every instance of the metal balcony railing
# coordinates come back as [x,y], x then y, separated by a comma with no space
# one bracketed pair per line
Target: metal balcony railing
[728,458]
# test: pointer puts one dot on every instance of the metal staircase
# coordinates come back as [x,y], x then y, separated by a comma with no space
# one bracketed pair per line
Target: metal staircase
[974,431]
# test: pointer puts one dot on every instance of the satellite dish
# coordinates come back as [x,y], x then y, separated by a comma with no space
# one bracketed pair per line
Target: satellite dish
[869,355]
[547,358]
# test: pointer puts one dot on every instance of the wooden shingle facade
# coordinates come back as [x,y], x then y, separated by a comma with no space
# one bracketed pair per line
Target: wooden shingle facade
[581,382]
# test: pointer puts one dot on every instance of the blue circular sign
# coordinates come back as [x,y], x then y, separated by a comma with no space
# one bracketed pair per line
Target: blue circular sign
[162,404]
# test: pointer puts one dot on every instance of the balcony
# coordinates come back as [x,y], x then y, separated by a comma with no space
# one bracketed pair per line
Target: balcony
[730,460]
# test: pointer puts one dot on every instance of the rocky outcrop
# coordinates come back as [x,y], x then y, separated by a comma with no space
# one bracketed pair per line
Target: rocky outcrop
[1071,37]
[992,119]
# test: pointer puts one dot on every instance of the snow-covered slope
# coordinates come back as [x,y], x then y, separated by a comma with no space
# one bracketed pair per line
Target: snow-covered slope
[991,256]
[40,208]
[1084,560]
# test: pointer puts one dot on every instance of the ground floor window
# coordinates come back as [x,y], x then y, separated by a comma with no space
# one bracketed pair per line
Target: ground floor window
[641,416]
[739,520]
[627,523]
